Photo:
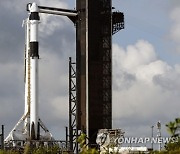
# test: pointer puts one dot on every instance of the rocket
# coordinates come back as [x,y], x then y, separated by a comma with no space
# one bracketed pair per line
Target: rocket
[28,127]
[34,58]
[31,73]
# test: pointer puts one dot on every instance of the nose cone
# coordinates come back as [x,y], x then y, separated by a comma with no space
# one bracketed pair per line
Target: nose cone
[34,8]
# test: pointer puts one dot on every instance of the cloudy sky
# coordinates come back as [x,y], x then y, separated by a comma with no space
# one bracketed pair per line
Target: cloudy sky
[146,65]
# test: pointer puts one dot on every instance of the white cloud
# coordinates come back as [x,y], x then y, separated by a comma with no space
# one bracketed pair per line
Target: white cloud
[51,23]
[60,107]
[145,87]
[149,71]
[140,53]
[139,60]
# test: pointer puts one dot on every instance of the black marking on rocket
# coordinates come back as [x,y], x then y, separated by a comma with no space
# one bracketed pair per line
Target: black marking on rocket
[34,16]
[34,49]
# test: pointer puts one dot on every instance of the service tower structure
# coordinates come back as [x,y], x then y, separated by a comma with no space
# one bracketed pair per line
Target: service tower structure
[95,25]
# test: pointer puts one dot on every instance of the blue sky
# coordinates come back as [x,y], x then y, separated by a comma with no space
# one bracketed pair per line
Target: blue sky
[146,65]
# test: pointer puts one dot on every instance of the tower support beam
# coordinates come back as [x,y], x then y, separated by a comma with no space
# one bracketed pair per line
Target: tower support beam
[73,131]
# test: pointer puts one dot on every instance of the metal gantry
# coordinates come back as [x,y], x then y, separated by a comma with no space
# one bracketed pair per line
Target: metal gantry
[99,67]
[94,29]
[117,22]
[106,73]
[73,131]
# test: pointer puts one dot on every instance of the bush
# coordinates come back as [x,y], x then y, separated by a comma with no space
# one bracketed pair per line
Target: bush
[84,149]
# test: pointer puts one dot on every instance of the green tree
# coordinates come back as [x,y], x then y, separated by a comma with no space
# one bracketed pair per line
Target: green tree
[173,127]
[172,147]
[84,148]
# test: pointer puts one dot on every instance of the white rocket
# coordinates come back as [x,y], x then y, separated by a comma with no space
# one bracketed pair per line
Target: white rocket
[34,57]
[29,125]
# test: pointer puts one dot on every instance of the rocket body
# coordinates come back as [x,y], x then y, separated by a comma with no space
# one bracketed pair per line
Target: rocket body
[34,57]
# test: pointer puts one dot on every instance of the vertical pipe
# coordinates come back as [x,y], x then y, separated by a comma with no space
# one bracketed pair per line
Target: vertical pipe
[160,139]
[2,137]
[159,133]
[152,135]
[27,78]
[66,137]
[87,82]
[34,57]
[26,65]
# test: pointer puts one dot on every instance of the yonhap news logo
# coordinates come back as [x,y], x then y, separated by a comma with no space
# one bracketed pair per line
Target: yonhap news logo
[106,139]
[145,140]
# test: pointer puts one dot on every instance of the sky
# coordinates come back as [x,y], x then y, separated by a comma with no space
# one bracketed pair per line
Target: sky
[146,65]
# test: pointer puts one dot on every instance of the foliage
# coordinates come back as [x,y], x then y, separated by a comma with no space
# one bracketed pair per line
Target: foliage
[173,127]
[27,149]
[84,149]
[49,150]
[9,152]
[173,146]
[32,150]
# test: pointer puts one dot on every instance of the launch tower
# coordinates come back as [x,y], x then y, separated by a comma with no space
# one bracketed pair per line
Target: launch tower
[95,25]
